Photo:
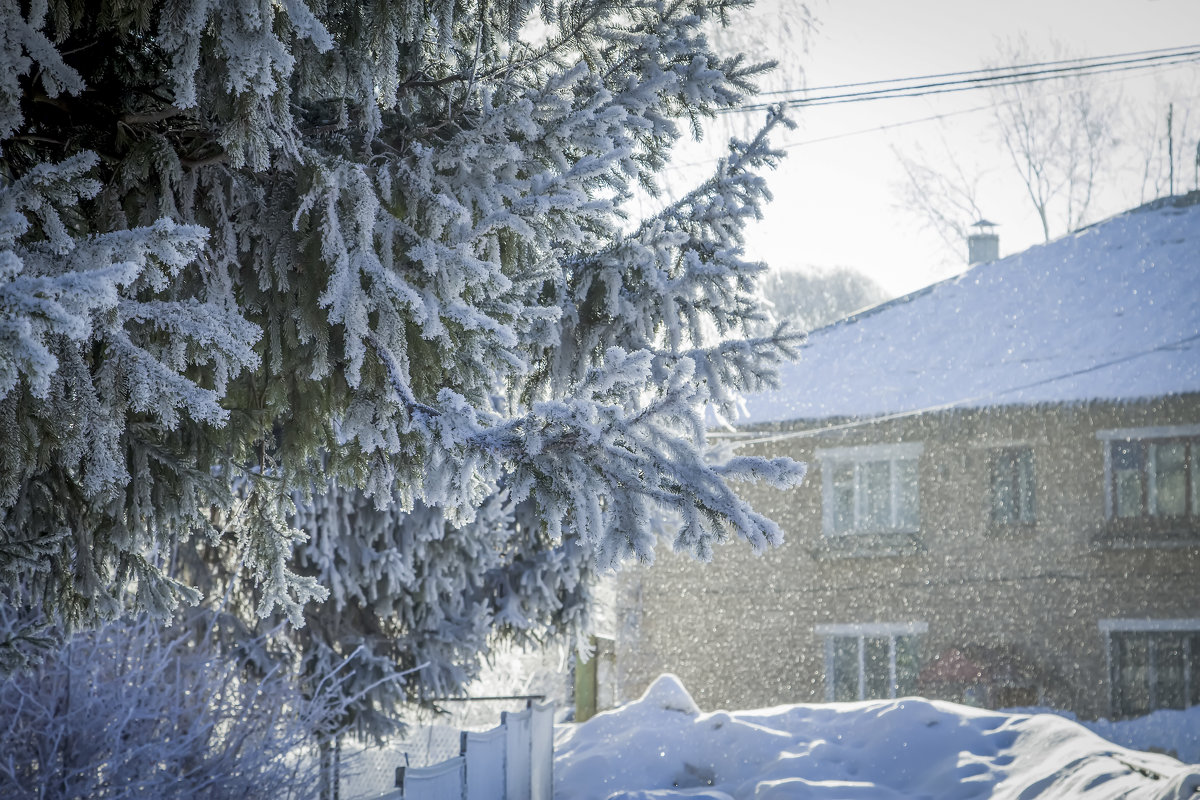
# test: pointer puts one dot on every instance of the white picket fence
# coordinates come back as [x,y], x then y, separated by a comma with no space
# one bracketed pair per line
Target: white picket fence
[513,761]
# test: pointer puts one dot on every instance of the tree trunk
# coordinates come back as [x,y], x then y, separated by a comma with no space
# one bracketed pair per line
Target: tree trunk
[331,768]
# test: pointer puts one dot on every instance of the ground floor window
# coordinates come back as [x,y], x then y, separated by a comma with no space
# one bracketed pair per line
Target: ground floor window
[871,661]
[1153,664]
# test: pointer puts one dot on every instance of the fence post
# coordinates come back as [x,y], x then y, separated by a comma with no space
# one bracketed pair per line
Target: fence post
[541,747]
[517,754]
[485,754]
[445,780]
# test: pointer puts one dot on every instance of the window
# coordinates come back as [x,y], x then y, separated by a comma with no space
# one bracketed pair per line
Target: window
[1152,473]
[1152,664]
[869,662]
[871,489]
[1012,486]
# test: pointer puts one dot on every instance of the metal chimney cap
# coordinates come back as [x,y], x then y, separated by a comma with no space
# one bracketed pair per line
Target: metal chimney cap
[984,223]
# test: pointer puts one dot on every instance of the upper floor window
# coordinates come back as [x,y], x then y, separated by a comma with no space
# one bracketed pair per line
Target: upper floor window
[870,489]
[872,661]
[1012,486]
[1152,472]
[1152,664]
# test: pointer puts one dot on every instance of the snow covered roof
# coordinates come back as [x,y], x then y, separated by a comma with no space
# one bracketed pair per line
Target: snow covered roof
[1111,312]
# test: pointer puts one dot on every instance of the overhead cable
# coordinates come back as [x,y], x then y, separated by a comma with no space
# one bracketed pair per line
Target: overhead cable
[983,70]
[1008,77]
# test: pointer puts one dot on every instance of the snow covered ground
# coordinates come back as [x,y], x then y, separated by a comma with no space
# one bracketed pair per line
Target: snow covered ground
[662,747]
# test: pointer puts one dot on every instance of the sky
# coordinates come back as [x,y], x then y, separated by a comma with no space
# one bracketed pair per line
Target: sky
[838,200]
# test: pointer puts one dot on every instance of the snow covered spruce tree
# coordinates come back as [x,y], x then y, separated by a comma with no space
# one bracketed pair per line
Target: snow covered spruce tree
[341,297]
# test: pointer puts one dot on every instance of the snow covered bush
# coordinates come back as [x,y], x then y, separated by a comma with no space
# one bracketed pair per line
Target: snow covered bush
[136,710]
[346,298]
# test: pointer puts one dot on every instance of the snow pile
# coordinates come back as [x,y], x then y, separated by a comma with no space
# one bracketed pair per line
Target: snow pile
[1166,731]
[662,747]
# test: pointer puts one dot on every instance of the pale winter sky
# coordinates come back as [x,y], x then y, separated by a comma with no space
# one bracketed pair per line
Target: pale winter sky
[837,201]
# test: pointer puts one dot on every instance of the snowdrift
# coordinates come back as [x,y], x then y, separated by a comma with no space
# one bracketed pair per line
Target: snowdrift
[662,747]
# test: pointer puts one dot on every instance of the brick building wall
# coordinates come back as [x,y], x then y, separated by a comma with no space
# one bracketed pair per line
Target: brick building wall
[1025,606]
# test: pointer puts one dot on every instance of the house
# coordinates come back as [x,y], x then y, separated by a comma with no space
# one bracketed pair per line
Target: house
[1003,499]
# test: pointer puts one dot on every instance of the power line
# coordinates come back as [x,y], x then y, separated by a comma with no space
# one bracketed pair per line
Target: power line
[981,70]
[1006,75]
[887,127]
[965,88]
[884,127]
[1013,77]
[983,78]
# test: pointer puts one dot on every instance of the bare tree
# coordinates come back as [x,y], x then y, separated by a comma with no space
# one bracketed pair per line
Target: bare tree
[1059,137]
[1152,157]
[945,196]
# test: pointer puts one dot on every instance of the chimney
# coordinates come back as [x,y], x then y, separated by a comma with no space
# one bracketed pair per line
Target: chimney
[984,244]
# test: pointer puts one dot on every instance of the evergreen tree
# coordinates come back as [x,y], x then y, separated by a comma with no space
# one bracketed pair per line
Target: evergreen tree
[341,298]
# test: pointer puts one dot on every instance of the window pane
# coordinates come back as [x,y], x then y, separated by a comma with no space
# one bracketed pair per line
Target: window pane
[1127,456]
[1131,674]
[877,499]
[878,667]
[1127,478]
[1026,509]
[908,494]
[843,497]
[1012,486]
[908,664]
[1170,479]
[1003,499]
[1168,671]
[845,668]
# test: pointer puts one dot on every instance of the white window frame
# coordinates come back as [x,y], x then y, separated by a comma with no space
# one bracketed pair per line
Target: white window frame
[863,631]
[893,452]
[1110,626]
[1147,434]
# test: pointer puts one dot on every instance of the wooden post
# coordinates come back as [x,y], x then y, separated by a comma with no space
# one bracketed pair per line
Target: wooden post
[1171,146]
[585,684]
